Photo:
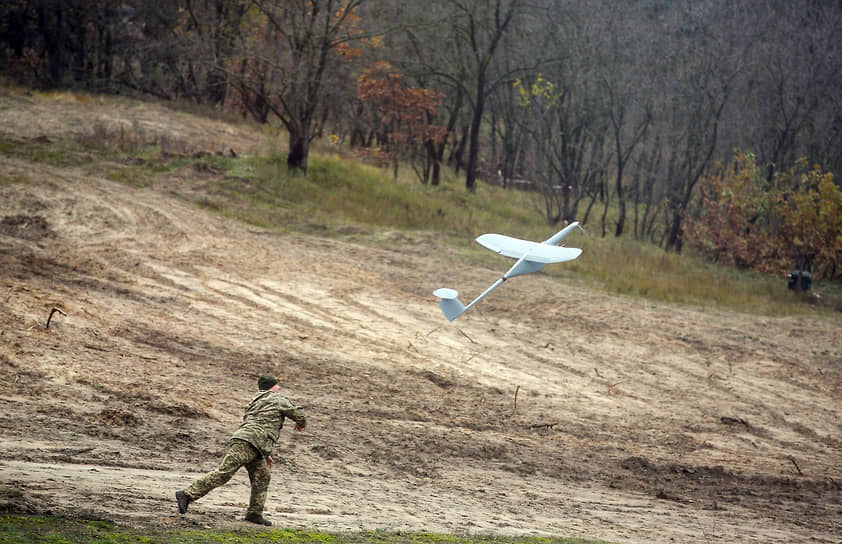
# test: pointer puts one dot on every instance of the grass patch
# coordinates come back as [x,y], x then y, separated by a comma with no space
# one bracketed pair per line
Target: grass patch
[52,530]
[63,153]
[645,271]
[143,169]
[11,180]
[338,192]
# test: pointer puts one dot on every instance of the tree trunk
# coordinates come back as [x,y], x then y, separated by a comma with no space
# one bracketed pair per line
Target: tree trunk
[299,149]
[473,146]
[473,152]
[434,158]
[621,201]
[675,232]
[458,153]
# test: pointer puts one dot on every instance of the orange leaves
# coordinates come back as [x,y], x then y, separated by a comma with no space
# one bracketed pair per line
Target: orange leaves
[346,13]
[731,224]
[404,114]
[347,51]
[406,111]
[347,21]
[379,83]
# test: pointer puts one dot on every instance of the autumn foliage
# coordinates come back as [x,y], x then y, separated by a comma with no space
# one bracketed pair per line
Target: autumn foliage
[742,218]
[406,113]
[811,221]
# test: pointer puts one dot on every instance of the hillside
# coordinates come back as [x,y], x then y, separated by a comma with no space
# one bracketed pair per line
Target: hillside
[550,410]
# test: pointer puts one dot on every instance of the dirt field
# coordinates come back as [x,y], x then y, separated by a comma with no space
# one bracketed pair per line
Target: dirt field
[550,410]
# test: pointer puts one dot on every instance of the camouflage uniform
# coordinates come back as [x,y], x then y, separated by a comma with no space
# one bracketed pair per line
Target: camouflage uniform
[250,445]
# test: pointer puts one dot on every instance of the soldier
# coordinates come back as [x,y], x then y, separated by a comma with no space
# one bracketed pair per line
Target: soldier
[250,446]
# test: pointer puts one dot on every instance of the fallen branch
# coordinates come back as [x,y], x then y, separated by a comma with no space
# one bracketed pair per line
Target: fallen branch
[612,388]
[468,337]
[480,352]
[514,410]
[543,426]
[725,420]
[791,458]
[54,310]
[662,494]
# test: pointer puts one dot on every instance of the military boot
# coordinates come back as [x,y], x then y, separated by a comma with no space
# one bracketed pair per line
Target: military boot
[258,519]
[183,501]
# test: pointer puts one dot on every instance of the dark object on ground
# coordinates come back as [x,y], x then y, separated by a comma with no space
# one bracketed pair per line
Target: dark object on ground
[800,280]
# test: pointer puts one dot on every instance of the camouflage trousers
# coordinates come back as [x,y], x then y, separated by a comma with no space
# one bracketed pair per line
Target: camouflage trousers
[240,454]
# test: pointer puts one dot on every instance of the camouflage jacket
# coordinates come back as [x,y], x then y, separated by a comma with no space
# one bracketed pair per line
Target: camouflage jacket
[264,419]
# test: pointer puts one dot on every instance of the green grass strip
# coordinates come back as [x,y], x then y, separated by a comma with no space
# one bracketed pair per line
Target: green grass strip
[54,530]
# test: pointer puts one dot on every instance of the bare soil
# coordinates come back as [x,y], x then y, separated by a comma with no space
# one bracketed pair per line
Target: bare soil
[550,409]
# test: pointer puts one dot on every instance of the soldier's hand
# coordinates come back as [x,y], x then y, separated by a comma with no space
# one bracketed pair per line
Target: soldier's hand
[270,461]
[298,427]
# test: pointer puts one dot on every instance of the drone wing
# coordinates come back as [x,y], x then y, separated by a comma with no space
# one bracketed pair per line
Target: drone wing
[537,252]
[545,253]
[506,245]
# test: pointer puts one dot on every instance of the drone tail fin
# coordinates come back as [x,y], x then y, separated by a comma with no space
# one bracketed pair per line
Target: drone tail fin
[450,304]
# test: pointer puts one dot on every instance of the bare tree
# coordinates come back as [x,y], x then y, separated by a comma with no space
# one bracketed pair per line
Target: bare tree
[623,58]
[792,101]
[298,45]
[215,24]
[568,132]
[702,62]
[463,57]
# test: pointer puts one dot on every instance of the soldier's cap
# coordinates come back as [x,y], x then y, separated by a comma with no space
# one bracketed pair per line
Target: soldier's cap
[266,382]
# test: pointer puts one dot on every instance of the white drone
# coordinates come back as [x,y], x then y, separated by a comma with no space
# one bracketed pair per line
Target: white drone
[531,257]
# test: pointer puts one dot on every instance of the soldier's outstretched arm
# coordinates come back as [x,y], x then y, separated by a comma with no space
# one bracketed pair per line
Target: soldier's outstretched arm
[295,413]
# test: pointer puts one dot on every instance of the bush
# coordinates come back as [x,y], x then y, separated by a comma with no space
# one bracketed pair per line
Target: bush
[742,218]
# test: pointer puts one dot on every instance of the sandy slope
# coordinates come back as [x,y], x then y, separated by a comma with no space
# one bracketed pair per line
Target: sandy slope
[552,409]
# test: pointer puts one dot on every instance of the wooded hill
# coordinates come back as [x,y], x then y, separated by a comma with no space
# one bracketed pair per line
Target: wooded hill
[672,114]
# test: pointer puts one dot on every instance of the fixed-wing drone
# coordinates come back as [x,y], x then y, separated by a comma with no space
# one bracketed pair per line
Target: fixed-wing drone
[531,257]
